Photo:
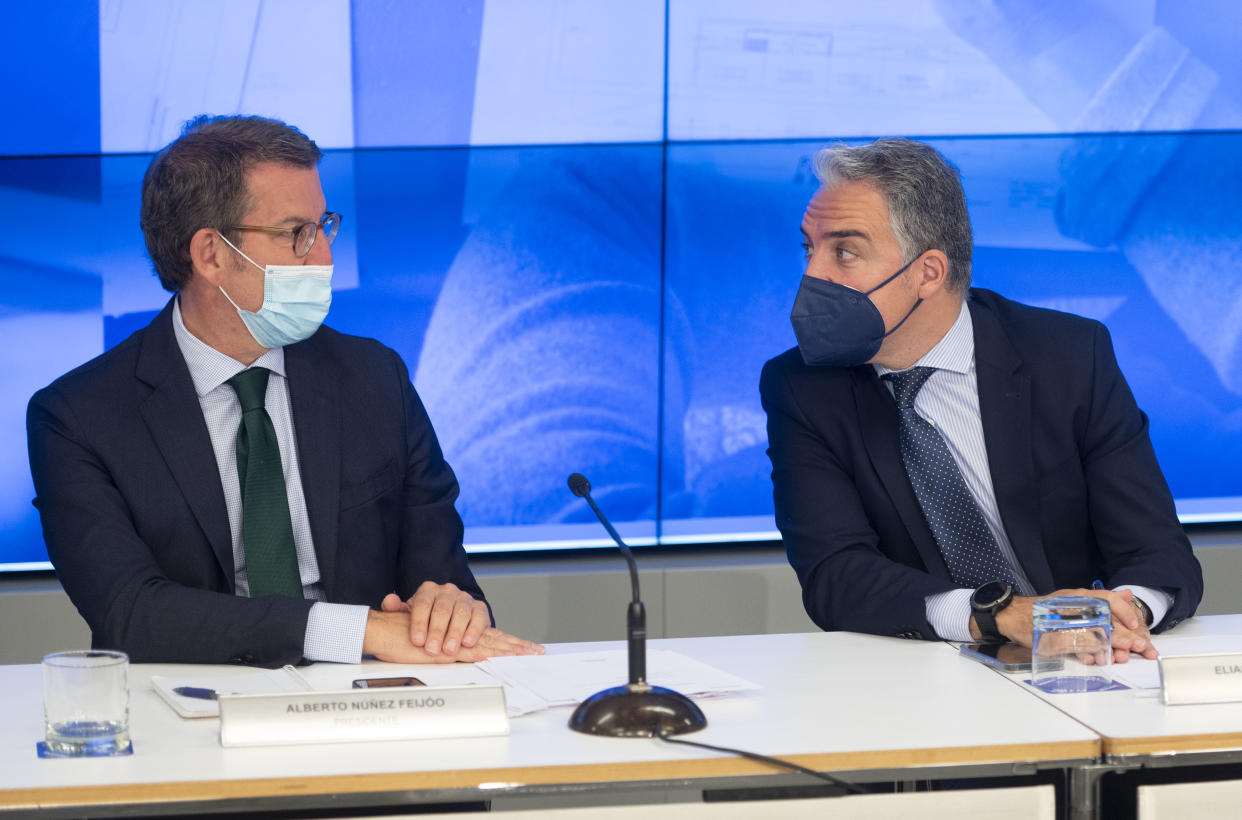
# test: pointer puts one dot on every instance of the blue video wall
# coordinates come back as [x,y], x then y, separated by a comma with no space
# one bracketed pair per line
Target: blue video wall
[578,220]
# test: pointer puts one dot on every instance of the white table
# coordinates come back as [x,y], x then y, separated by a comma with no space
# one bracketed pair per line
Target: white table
[867,705]
[1138,731]
[1138,723]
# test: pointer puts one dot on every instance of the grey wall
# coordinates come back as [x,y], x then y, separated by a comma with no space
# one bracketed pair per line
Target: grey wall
[552,599]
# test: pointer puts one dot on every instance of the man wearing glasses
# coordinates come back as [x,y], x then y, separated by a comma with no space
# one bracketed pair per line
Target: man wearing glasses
[236,482]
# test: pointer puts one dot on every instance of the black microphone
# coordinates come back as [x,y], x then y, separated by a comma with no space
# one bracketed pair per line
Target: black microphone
[637,709]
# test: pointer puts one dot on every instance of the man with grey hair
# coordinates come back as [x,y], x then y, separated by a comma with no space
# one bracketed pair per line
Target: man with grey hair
[942,456]
[237,482]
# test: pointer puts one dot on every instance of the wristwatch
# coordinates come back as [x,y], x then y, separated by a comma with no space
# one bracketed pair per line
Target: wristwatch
[988,600]
[1143,610]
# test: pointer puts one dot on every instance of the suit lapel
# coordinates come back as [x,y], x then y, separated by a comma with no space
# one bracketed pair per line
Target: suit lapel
[877,413]
[174,418]
[315,402]
[1005,411]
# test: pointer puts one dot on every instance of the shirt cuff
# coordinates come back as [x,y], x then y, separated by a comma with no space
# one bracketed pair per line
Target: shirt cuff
[334,633]
[1157,600]
[949,614]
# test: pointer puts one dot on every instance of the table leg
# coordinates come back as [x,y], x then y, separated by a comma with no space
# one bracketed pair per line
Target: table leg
[1084,791]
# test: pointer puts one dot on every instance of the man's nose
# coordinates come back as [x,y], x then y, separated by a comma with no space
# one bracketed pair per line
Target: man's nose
[817,268]
[320,252]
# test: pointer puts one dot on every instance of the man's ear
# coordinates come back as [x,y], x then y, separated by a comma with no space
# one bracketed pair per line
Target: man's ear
[207,255]
[933,271]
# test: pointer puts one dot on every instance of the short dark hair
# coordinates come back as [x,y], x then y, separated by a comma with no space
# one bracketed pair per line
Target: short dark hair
[923,190]
[199,181]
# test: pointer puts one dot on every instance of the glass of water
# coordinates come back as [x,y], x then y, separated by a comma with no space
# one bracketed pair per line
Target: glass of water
[86,703]
[1072,649]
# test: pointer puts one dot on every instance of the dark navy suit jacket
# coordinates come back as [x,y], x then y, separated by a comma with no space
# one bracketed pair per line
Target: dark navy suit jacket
[1077,484]
[133,511]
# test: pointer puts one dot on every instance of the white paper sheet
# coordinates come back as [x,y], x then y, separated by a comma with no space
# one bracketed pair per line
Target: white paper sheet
[564,680]
[268,681]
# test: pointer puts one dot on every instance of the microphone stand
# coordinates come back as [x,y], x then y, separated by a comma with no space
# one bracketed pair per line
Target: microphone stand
[636,709]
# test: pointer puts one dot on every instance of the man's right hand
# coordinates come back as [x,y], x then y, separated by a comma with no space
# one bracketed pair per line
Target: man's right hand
[388,638]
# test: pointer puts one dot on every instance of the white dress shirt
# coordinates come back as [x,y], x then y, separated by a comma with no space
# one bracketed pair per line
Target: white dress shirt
[334,632]
[949,401]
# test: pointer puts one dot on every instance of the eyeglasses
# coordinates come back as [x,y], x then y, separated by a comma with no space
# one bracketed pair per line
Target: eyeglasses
[304,234]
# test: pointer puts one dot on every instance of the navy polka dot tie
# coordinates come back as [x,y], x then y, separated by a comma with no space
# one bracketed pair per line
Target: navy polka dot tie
[968,547]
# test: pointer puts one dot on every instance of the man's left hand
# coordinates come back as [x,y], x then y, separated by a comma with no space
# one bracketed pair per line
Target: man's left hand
[1130,632]
[443,618]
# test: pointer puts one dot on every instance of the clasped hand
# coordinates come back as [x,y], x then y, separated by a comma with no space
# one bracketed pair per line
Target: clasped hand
[440,623]
[1130,633]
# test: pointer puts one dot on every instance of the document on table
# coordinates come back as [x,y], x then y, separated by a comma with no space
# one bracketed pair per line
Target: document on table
[266,682]
[532,683]
[564,680]
[288,679]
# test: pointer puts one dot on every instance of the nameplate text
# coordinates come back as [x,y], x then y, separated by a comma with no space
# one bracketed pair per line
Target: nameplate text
[397,713]
[1208,678]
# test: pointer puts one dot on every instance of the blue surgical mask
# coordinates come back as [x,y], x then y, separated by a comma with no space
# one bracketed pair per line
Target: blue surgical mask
[296,299]
[838,326]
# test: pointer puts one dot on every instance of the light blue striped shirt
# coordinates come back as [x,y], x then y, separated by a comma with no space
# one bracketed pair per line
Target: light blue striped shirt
[949,401]
[334,632]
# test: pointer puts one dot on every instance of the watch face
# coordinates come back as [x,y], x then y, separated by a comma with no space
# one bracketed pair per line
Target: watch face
[990,593]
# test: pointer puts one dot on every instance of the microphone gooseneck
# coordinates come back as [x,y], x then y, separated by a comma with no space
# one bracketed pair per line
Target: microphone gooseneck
[580,487]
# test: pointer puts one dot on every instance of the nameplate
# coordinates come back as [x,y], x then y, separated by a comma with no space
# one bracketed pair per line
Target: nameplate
[397,713]
[1214,678]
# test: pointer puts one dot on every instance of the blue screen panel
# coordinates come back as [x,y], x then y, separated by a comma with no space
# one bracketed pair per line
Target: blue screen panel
[732,248]
[742,69]
[414,71]
[49,57]
[540,357]
[503,277]
[1162,269]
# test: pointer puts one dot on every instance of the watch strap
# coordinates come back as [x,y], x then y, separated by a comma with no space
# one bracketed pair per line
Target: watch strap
[985,619]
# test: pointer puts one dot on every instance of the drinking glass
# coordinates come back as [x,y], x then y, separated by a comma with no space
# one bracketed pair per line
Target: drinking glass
[86,703]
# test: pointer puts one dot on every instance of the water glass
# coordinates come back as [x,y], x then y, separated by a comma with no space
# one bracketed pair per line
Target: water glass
[86,703]
[1072,645]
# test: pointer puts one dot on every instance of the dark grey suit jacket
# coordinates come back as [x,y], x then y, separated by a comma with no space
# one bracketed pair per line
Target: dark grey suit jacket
[1076,480]
[133,511]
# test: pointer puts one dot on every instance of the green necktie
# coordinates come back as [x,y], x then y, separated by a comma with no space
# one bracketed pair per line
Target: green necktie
[267,534]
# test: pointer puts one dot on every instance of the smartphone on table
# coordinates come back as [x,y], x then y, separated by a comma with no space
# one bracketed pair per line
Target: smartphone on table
[1007,657]
[384,683]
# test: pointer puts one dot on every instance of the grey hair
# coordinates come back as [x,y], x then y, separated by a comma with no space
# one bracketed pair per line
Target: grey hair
[199,181]
[923,190]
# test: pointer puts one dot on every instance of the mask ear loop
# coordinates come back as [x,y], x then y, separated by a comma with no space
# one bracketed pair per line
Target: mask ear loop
[260,267]
[868,293]
[248,259]
[917,302]
[230,298]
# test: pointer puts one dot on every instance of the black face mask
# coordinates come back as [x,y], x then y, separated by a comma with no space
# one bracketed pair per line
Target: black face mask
[840,326]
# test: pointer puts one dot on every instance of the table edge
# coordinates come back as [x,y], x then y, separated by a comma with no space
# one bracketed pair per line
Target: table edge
[182,791]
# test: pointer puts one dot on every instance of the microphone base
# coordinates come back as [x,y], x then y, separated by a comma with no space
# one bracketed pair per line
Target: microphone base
[637,711]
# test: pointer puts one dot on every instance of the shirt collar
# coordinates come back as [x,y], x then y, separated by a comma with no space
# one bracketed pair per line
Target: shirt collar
[955,351]
[209,368]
